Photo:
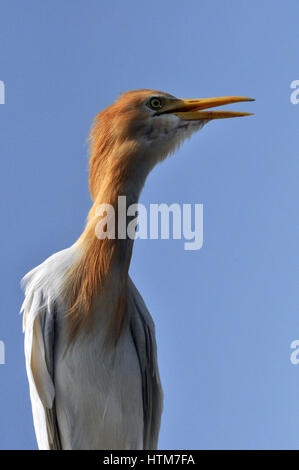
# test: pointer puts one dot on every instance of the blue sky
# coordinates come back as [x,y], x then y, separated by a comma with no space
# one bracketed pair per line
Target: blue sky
[226,314]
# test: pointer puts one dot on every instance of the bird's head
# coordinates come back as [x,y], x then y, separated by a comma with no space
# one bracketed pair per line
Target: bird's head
[143,126]
[128,138]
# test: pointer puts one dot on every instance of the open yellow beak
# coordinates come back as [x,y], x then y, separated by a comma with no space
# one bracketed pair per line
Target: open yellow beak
[190,110]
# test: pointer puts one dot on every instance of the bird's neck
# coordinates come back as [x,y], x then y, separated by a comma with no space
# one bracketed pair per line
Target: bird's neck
[120,188]
[104,262]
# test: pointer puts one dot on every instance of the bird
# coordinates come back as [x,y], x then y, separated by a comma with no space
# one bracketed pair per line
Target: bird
[89,339]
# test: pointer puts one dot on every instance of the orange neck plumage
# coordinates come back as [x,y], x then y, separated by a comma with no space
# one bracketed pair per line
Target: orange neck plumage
[111,166]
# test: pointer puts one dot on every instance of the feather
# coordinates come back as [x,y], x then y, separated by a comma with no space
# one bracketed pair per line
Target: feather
[88,397]
[143,333]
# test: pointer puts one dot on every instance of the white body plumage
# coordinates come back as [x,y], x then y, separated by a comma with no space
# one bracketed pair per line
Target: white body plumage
[86,397]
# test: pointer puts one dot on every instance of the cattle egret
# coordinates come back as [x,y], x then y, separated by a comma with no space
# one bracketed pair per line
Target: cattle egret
[90,346]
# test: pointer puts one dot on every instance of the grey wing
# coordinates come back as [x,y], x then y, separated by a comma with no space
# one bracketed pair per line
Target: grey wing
[143,334]
[39,329]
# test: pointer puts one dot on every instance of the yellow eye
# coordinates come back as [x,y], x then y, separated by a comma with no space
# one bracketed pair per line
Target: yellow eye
[155,103]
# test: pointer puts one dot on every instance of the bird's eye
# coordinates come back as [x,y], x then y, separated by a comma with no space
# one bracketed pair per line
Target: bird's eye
[155,103]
